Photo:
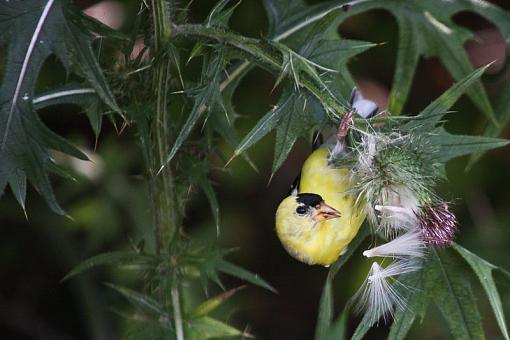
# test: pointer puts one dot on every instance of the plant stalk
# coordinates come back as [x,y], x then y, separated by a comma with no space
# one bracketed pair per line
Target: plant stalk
[165,208]
[162,184]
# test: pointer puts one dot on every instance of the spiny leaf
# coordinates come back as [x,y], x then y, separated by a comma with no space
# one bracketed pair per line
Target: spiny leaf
[483,270]
[407,59]
[437,35]
[35,30]
[219,16]
[116,258]
[451,146]
[143,301]
[432,114]
[204,97]
[243,274]
[198,172]
[86,97]
[263,126]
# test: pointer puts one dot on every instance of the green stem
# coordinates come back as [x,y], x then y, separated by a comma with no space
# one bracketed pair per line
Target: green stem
[162,185]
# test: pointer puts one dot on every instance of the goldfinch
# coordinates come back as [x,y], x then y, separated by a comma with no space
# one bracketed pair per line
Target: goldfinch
[320,218]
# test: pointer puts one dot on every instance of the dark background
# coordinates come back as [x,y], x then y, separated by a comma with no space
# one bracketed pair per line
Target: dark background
[110,204]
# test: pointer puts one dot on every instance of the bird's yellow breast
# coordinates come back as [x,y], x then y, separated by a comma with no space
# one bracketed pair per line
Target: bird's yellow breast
[322,243]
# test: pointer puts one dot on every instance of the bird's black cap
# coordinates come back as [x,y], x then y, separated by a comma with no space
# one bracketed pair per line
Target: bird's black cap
[309,199]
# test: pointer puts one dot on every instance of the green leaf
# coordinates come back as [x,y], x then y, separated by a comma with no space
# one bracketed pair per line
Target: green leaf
[451,146]
[364,326]
[483,270]
[297,119]
[433,113]
[117,258]
[432,31]
[338,330]
[219,16]
[449,287]
[325,311]
[205,97]
[86,97]
[198,173]
[211,304]
[279,13]
[409,47]
[243,274]
[417,301]
[209,328]
[263,126]
[34,30]
[140,300]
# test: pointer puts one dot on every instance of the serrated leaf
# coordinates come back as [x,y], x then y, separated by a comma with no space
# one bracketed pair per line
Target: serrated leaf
[451,146]
[433,113]
[220,15]
[209,328]
[297,118]
[140,300]
[204,97]
[263,126]
[483,270]
[243,274]
[449,287]
[437,34]
[279,12]
[85,97]
[116,258]
[34,31]
[408,53]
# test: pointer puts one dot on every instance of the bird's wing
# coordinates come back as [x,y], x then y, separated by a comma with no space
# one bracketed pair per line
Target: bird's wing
[294,187]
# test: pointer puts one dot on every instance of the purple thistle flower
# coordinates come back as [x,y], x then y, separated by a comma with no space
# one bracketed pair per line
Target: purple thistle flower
[438,225]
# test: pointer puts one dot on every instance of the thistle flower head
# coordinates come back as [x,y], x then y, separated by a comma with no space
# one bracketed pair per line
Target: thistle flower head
[394,178]
[438,224]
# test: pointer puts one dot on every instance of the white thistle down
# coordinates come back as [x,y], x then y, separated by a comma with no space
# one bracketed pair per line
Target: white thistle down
[378,296]
[396,210]
[409,244]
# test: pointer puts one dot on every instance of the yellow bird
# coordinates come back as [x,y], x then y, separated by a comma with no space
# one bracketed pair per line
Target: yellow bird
[316,225]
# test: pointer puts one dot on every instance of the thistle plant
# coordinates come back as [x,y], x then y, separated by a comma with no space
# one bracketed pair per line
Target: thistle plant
[138,78]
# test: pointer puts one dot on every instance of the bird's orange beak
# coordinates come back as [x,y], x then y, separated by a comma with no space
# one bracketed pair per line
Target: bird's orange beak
[325,212]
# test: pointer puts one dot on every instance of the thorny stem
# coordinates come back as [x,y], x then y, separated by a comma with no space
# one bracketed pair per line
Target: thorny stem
[163,196]
[162,186]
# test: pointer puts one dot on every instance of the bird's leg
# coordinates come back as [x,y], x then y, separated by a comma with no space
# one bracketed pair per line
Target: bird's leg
[343,130]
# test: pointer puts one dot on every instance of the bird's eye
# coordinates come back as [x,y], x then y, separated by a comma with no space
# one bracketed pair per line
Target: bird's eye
[301,210]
